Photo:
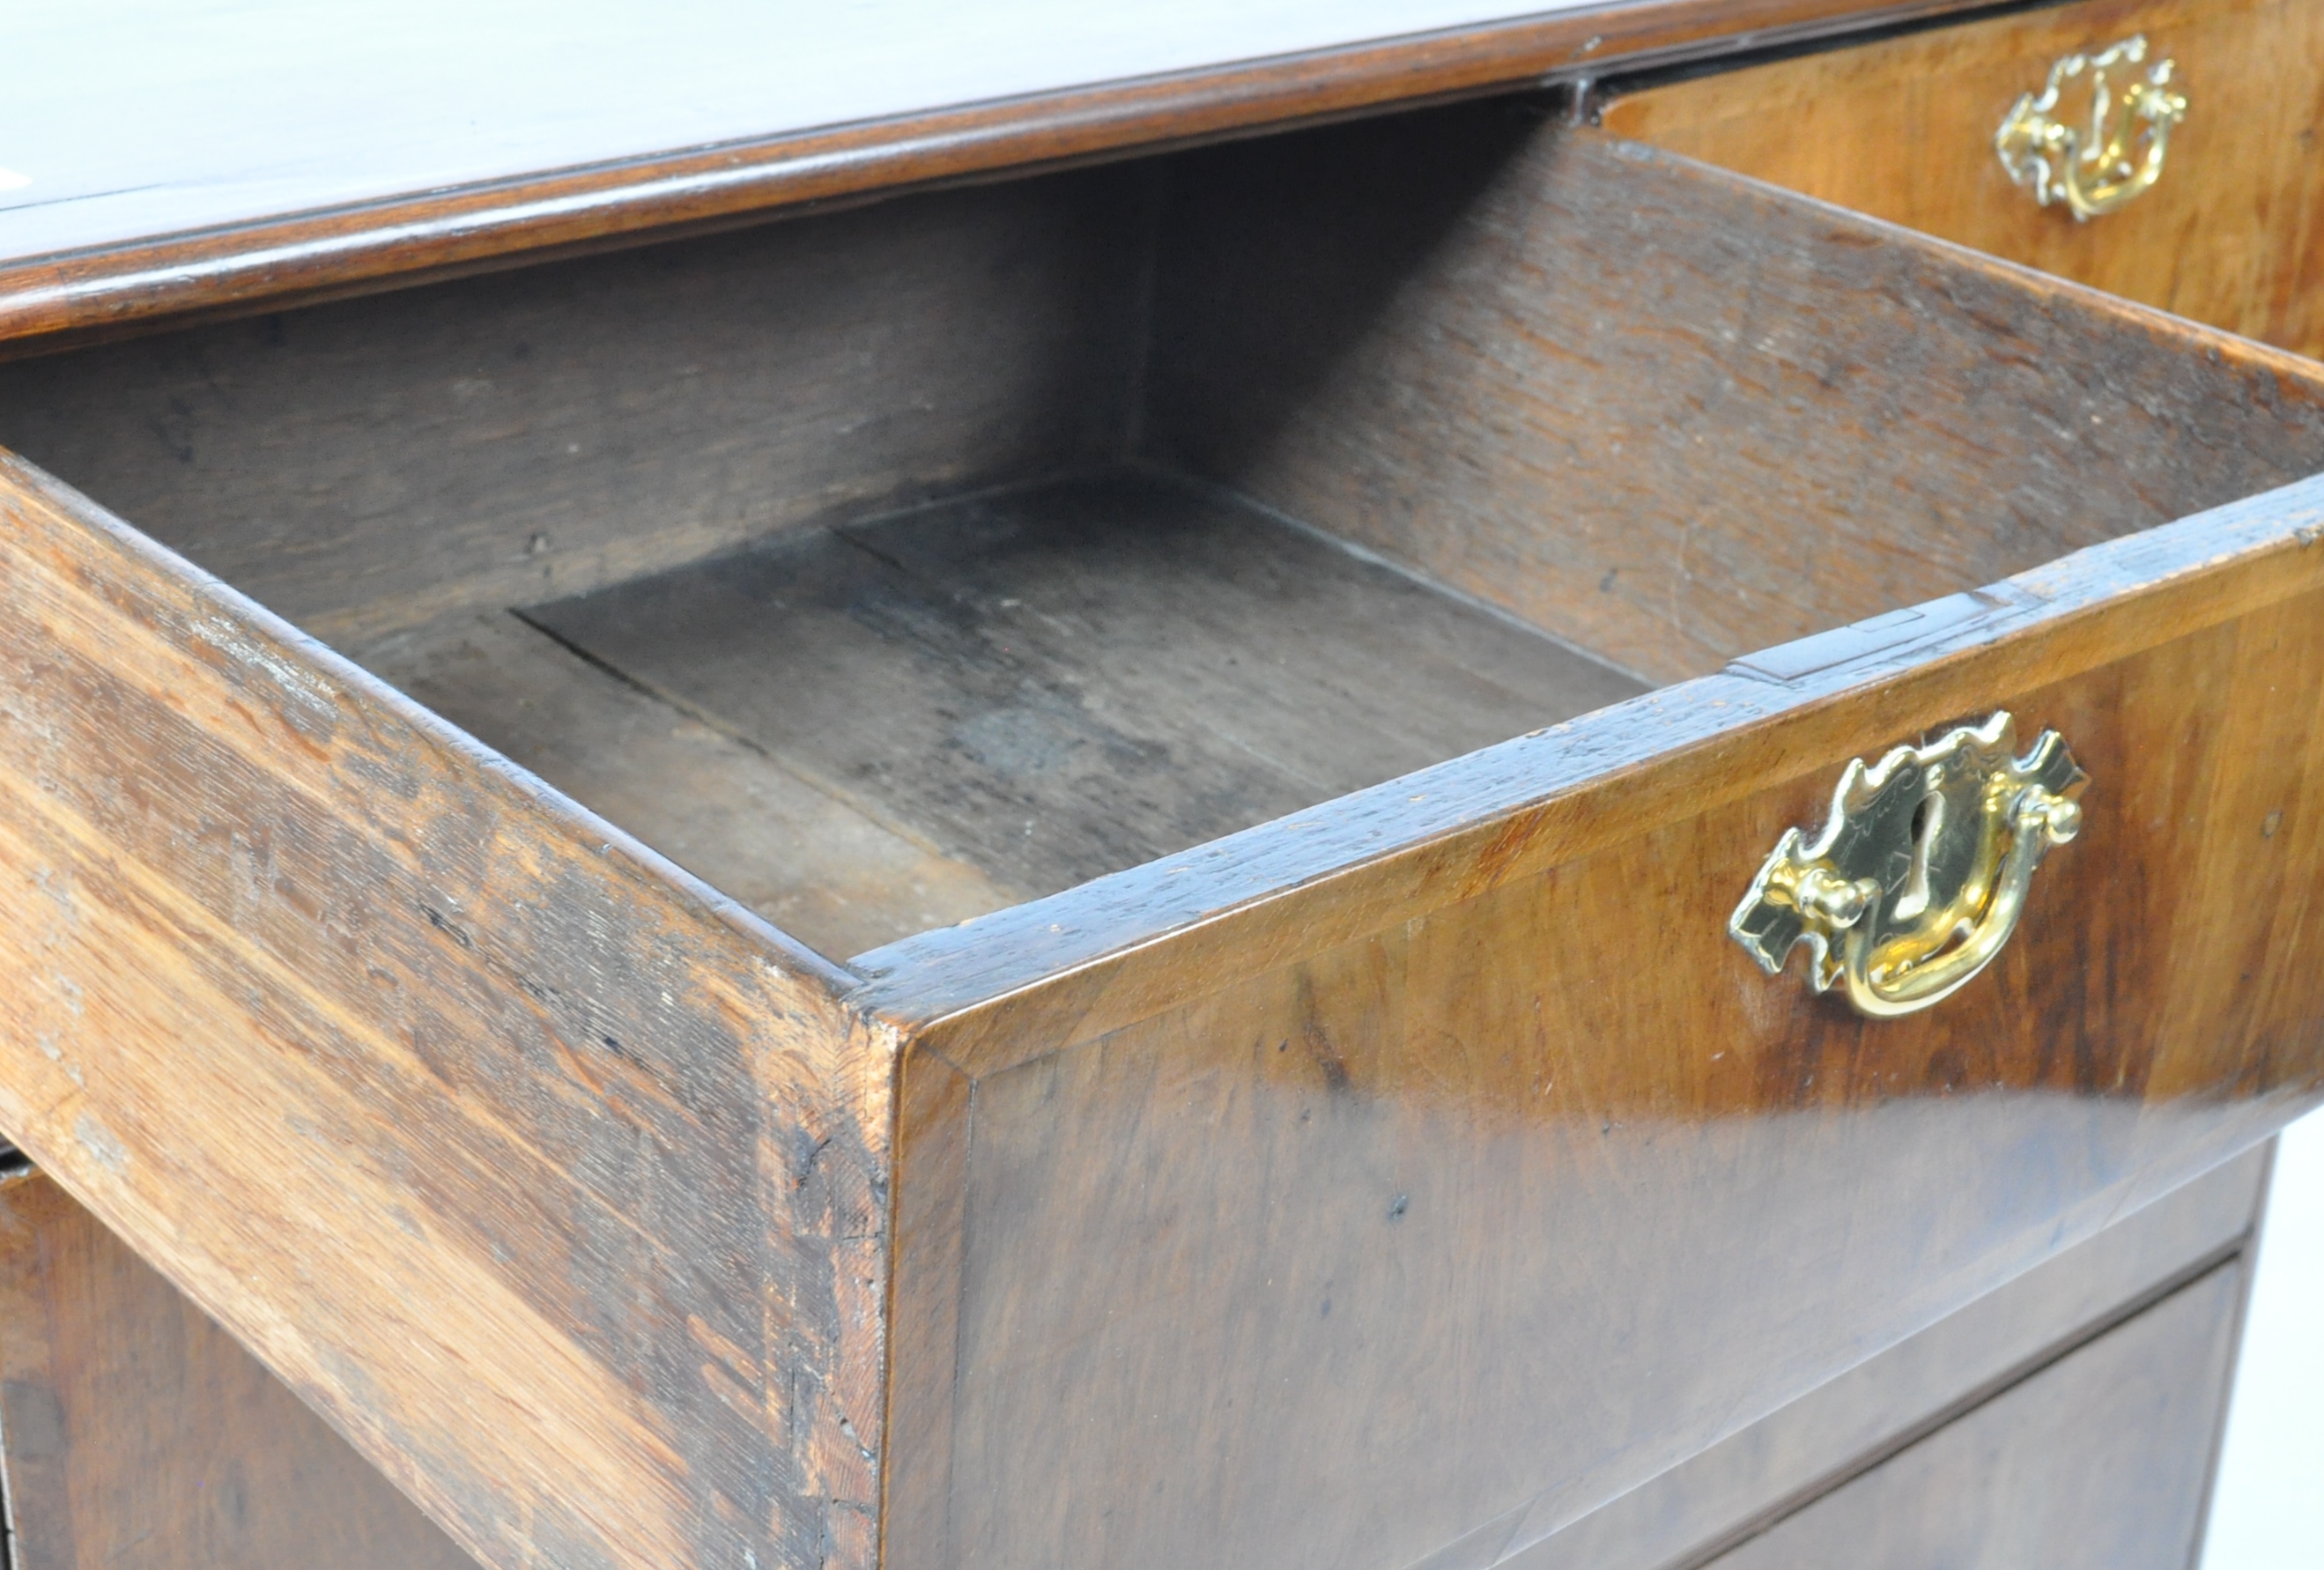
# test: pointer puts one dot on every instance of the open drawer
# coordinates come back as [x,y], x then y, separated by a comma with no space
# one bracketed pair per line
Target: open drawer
[1280,663]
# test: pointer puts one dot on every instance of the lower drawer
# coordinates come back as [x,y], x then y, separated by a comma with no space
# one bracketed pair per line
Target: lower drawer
[133,1431]
[1965,1371]
[2100,1461]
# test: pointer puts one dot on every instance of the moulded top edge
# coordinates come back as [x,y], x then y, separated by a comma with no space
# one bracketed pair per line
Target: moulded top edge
[169,160]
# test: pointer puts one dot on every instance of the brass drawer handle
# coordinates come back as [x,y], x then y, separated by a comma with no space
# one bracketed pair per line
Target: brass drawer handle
[1921,872]
[2127,133]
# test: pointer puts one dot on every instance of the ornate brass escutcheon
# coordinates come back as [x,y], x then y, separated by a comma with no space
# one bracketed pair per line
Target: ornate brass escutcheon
[1921,872]
[2094,167]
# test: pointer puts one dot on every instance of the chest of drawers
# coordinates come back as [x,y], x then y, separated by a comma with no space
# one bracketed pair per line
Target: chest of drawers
[1041,864]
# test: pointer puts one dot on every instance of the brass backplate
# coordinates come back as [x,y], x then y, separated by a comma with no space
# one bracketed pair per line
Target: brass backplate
[2096,135]
[1921,872]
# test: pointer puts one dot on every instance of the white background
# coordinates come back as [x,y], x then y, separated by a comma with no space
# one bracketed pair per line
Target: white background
[2268,1513]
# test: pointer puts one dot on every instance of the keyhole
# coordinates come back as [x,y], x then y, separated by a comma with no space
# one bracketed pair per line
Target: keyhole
[1927,822]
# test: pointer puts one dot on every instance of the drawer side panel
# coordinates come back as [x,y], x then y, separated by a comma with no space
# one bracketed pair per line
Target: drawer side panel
[558,1187]
[1667,414]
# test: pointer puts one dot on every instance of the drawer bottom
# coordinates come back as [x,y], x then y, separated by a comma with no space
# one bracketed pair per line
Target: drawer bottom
[869,731]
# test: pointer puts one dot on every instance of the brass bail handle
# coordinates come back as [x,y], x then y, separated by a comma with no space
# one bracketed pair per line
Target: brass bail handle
[1921,873]
[2100,165]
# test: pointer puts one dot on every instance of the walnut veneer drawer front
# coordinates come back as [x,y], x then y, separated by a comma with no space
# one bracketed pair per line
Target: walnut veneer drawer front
[1279,661]
[1905,129]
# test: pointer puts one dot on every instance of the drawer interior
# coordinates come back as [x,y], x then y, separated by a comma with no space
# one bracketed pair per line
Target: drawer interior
[1060,681]
[889,566]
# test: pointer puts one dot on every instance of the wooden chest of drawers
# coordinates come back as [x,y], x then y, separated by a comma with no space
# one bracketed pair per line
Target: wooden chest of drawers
[1048,872]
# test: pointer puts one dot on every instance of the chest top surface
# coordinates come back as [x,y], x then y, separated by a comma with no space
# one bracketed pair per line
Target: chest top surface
[167,158]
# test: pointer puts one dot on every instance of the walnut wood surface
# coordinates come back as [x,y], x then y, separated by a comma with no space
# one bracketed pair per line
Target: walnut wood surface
[2099,1463]
[567,1189]
[1450,1086]
[1278,893]
[1739,1487]
[1061,682]
[138,1433]
[1667,415]
[1903,129]
[279,190]
[553,1180]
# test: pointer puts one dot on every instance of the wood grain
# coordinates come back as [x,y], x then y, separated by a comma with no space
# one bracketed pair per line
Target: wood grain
[372,465]
[138,1433]
[1739,1487]
[162,259]
[1903,129]
[554,1181]
[2099,1463]
[1388,1185]
[1061,682]
[1582,1191]
[1665,414]
[1625,466]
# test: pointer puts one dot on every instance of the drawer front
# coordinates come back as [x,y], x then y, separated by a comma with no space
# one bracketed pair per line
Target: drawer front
[1903,129]
[1843,1429]
[135,1431]
[2100,1461]
[1410,1214]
